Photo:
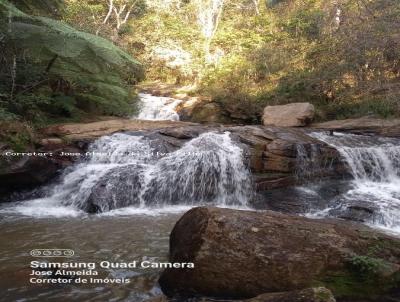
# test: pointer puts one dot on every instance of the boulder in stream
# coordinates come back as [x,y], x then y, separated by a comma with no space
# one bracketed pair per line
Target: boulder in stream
[242,254]
[317,294]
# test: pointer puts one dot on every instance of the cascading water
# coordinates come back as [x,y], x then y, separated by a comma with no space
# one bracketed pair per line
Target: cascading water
[151,176]
[374,163]
[207,169]
[157,108]
[124,170]
[310,161]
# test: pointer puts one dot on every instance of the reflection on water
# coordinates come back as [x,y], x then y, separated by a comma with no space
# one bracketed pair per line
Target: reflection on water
[94,239]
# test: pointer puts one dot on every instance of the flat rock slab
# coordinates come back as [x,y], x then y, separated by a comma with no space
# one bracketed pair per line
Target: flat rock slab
[81,131]
[364,125]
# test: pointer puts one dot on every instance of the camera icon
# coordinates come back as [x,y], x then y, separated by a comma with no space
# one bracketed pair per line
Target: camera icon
[52,253]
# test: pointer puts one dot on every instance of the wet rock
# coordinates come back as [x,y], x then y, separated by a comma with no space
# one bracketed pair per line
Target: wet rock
[269,181]
[357,210]
[301,200]
[290,115]
[282,148]
[26,172]
[21,172]
[117,189]
[271,153]
[357,213]
[158,299]
[242,254]
[277,163]
[184,132]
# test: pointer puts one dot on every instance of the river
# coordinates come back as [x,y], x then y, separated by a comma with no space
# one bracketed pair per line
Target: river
[141,194]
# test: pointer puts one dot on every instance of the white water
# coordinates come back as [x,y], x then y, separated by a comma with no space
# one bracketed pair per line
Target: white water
[207,169]
[375,166]
[133,176]
[311,163]
[157,108]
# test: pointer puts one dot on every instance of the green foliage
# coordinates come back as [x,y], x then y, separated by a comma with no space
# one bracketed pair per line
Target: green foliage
[18,136]
[40,7]
[272,3]
[305,22]
[51,69]
[342,56]
[345,62]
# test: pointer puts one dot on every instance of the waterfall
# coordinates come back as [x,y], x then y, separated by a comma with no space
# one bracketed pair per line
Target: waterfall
[207,169]
[310,161]
[128,171]
[157,108]
[374,163]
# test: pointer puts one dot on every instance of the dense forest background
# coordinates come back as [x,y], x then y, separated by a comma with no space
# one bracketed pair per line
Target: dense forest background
[66,60]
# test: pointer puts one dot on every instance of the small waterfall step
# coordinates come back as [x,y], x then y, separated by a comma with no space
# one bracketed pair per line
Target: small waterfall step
[157,108]
[374,163]
[127,170]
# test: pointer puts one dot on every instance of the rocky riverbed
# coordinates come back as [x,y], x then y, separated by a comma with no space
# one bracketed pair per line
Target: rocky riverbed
[277,157]
[257,255]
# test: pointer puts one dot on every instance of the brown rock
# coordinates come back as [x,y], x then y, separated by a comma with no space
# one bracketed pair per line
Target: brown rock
[318,294]
[270,181]
[51,141]
[290,115]
[278,163]
[286,253]
[364,125]
[82,131]
[157,299]
[282,148]
[27,171]
[186,107]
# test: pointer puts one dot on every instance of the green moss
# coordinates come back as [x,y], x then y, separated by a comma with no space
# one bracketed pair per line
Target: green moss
[366,266]
[363,277]
[323,295]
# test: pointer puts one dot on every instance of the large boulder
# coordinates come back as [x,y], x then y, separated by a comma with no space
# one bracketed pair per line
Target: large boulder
[242,254]
[290,115]
[317,294]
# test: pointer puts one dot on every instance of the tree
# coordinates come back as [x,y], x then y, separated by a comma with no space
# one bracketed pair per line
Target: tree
[120,11]
[39,52]
[209,15]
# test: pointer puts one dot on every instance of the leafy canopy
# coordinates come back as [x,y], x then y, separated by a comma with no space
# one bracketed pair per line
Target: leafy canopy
[96,70]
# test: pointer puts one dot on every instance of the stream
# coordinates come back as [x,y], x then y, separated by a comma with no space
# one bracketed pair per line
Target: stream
[141,191]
